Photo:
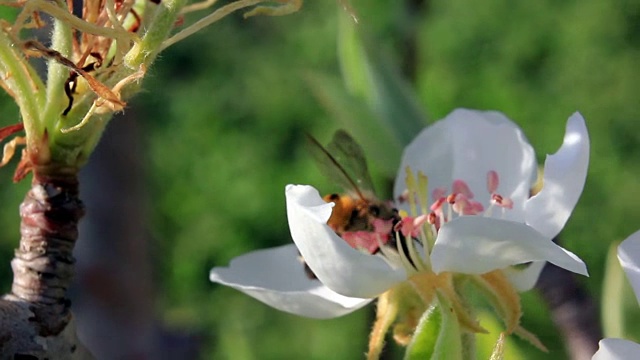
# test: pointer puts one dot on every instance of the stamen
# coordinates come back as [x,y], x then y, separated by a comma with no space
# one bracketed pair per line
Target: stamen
[502,202]
[439,193]
[461,187]
[489,210]
[388,255]
[432,217]
[507,203]
[423,191]
[404,196]
[460,204]
[477,207]
[410,226]
[432,231]
[411,186]
[406,261]
[496,199]
[492,181]
[418,261]
[437,205]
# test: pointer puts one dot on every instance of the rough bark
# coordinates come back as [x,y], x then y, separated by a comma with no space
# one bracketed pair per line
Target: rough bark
[35,319]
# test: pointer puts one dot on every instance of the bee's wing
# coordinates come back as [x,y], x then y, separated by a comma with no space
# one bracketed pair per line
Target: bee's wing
[350,154]
[343,161]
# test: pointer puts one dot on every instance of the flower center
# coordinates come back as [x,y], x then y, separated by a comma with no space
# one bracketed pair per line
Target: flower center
[405,237]
[460,201]
[425,218]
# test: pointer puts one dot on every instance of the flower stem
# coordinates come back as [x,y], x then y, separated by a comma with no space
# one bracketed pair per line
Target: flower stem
[468,345]
[145,51]
[57,74]
[43,264]
[20,80]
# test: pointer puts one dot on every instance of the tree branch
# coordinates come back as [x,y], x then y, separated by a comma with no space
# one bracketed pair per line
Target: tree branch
[35,319]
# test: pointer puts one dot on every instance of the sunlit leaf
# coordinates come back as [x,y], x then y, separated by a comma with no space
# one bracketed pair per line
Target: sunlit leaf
[368,76]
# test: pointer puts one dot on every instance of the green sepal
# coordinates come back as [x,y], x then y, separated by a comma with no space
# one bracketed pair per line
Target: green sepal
[500,294]
[438,334]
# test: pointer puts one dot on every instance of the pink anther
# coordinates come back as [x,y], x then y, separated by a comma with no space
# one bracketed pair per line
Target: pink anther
[492,181]
[410,226]
[461,187]
[437,205]
[502,201]
[438,193]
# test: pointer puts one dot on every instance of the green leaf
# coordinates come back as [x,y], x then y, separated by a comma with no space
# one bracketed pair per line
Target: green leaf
[613,296]
[368,76]
[353,59]
[438,334]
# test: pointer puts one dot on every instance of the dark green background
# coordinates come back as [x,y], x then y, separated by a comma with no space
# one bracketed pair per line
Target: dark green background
[224,116]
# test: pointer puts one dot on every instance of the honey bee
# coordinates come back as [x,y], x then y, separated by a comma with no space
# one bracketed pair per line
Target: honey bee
[356,212]
[343,162]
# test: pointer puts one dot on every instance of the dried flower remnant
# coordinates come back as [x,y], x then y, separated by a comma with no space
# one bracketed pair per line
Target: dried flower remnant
[97,54]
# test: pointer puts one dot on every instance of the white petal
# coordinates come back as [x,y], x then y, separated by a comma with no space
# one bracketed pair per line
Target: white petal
[476,245]
[340,267]
[276,277]
[629,256]
[466,145]
[617,349]
[564,176]
[525,279]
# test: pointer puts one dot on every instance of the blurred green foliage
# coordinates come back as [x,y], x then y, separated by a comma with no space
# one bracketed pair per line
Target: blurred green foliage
[225,114]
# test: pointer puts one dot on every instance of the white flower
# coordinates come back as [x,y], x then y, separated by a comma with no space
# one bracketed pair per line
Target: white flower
[276,277]
[629,257]
[468,150]
[468,145]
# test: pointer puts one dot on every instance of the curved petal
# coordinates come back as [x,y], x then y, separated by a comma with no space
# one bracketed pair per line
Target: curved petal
[525,279]
[466,145]
[476,245]
[340,267]
[629,257]
[277,278]
[617,349]
[564,175]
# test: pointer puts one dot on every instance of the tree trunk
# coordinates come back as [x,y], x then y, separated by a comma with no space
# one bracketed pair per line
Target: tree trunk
[35,319]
